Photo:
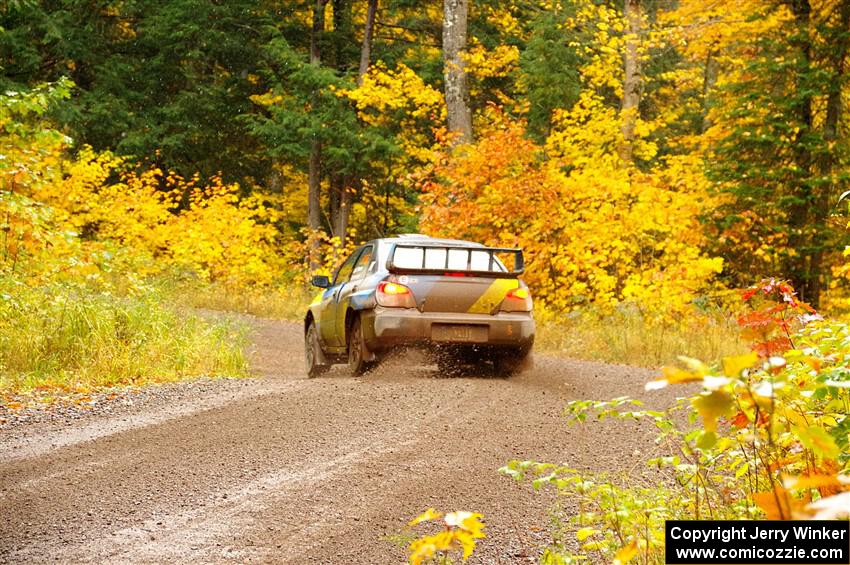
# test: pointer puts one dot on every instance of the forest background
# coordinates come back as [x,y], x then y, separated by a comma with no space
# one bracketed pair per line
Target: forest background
[649,156]
[161,158]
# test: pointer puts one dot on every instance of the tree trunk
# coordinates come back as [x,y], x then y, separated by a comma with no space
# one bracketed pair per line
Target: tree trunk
[345,199]
[334,193]
[455,14]
[314,174]
[840,47]
[274,182]
[314,187]
[345,187]
[343,35]
[709,80]
[826,164]
[317,31]
[800,238]
[632,79]
[342,191]
[366,49]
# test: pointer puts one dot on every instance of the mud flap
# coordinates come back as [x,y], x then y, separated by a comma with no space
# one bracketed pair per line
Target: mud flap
[368,329]
[369,355]
[322,359]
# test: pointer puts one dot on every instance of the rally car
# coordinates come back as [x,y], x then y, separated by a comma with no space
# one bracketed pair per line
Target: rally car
[461,300]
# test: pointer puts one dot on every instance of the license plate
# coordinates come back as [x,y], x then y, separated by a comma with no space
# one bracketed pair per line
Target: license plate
[459,332]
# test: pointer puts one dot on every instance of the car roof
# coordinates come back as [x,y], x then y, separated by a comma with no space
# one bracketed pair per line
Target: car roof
[419,239]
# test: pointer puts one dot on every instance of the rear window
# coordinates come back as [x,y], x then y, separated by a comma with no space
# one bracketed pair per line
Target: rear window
[408,257]
[448,259]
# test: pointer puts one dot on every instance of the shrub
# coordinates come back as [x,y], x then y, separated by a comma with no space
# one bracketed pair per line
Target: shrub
[627,335]
[766,437]
[458,533]
[74,338]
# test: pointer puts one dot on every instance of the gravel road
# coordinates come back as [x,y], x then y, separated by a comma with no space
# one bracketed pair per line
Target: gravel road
[279,468]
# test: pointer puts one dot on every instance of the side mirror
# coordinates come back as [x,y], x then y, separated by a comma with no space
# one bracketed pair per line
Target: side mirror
[321,281]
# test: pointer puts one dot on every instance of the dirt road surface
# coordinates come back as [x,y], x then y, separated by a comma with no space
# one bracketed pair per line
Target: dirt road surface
[283,469]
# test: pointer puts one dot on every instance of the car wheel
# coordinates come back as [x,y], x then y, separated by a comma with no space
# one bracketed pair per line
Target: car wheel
[357,351]
[313,353]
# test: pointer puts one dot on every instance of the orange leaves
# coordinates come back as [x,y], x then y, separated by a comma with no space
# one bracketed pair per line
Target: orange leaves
[783,504]
[495,186]
[593,232]
[772,346]
[772,286]
[826,485]
[776,313]
[779,504]
[740,420]
[626,553]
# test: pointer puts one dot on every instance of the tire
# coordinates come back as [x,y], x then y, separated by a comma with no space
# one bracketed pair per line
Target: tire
[357,350]
[313,353]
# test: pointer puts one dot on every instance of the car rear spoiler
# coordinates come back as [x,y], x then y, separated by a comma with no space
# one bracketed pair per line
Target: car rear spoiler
[518,263]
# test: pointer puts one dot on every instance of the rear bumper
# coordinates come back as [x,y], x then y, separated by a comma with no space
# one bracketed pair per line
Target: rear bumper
[387,327]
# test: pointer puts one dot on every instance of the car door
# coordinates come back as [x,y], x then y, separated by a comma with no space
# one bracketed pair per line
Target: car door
[327,317]
[330,302]
[360,271]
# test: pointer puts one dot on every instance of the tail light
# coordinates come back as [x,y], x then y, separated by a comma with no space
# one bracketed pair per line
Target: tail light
[394,295]
[517,300]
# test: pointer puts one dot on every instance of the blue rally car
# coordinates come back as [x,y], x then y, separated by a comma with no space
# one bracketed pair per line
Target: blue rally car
[461,300]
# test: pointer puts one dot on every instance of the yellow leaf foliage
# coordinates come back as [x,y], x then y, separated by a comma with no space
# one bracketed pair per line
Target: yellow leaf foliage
[459,532]
[384,90]
[398,98]
[482,64]
[594,232]
[210,230]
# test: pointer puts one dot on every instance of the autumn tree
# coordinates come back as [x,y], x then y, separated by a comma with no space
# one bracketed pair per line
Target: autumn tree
[781,154]
[343,107]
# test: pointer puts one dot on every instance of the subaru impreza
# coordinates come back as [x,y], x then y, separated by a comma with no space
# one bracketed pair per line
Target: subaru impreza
[460,300]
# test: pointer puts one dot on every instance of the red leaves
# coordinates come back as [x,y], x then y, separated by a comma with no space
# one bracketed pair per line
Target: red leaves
[740,420]
[777,290]
[771,347]
[776,312]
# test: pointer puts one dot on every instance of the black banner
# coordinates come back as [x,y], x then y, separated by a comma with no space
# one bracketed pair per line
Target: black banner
[763,542]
